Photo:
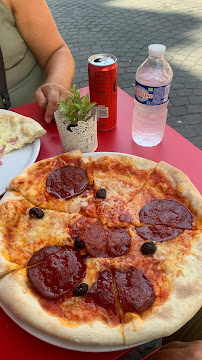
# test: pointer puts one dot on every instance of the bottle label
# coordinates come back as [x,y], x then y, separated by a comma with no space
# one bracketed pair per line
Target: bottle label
[151,95]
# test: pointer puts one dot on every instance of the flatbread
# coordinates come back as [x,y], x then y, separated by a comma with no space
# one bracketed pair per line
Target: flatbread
[16,131]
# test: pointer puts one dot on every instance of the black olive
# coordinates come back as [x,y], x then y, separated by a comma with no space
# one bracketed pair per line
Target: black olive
[80,290]
[36,213]
[101,193]
[148,247]
[78,243]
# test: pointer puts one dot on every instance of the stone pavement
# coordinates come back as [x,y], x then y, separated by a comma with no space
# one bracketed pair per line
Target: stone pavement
[125,28]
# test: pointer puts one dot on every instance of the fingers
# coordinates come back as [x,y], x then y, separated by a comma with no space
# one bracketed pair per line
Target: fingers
[64,95]
[174,345]
[182,344]
[178,350]
[53,97]
[170,354]
[40,98]
[48,97]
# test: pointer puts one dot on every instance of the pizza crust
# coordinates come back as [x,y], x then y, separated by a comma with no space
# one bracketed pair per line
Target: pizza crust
[10,195]
[7,214]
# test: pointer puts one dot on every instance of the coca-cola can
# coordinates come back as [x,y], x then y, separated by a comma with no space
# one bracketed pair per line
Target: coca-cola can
[102,75]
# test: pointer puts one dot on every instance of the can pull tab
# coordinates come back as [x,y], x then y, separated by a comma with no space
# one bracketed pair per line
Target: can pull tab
[98,60]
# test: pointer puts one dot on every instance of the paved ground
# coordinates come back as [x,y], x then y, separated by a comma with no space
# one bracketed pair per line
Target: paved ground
[125,28]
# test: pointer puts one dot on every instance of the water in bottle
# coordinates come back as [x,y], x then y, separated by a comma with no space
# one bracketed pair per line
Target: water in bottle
[152,87]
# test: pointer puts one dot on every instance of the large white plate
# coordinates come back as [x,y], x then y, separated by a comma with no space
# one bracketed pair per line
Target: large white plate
[17,160]
[63,343]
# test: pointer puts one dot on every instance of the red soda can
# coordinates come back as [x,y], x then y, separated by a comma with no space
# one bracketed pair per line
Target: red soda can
[102,75]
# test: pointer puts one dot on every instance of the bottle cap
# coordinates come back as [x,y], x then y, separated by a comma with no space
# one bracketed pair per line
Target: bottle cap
[156,50]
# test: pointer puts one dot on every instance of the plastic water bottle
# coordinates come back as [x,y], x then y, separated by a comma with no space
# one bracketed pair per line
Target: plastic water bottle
[152,87]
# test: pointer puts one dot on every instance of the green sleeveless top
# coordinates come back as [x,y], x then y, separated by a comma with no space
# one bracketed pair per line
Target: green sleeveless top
[23,73]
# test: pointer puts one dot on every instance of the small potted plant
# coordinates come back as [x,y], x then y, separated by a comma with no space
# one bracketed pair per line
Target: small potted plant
[76,120]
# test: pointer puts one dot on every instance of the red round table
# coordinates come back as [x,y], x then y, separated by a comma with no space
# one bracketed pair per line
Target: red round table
[174,149]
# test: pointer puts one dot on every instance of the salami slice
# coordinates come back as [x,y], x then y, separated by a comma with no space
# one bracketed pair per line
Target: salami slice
[134,289]
[118,241]
[56,271]
[67,182]
[166,212]
[92,234]
[102,292]
[158,232]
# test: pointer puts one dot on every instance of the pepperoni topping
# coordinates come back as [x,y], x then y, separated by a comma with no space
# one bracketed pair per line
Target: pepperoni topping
[135,290]
[166,212]
[95,240]
[67,182]
[158,232]
[92,234]
[118,241]
[42,254]
[102,292]
[56,272]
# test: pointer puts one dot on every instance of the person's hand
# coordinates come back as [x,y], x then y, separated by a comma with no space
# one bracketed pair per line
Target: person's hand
[178,350]
[48,96]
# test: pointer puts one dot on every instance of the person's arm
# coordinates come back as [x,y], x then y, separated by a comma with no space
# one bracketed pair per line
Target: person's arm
[49,94]
[178,350]
[36,25]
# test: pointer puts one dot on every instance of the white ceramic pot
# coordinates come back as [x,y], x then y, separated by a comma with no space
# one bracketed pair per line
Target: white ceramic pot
[83,136]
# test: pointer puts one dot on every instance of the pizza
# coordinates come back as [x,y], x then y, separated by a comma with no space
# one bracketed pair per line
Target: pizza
[16,131]
[101,250]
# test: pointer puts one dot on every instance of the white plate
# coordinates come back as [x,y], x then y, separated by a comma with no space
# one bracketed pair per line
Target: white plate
[63,343]
[17,160]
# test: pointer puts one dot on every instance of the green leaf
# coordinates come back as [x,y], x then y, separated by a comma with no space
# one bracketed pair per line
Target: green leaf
[88,107]
[74,88]
[79,106]
[71,96]
[75,106]
[67,117]
[88,118]
[64,107]
[79,116]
